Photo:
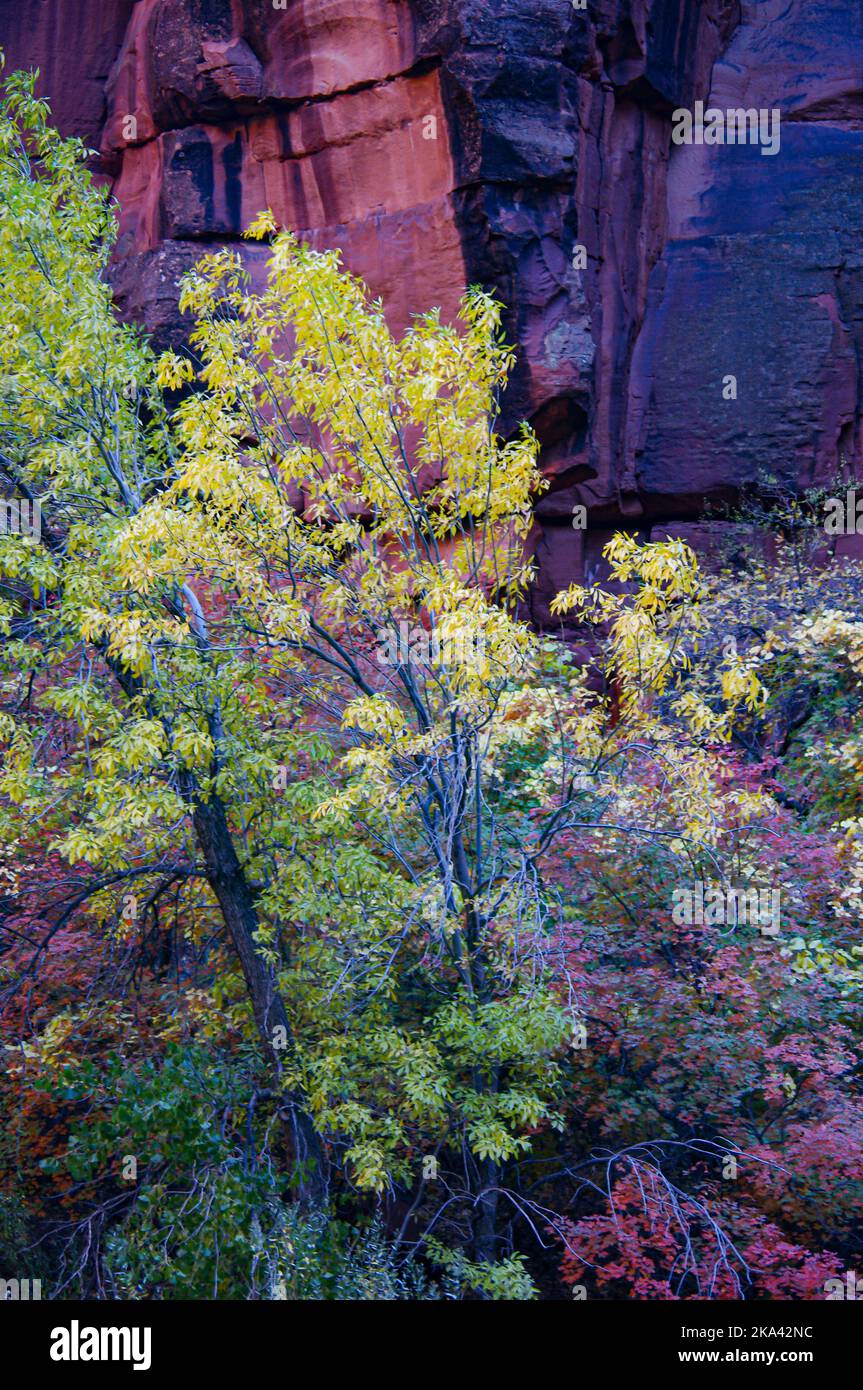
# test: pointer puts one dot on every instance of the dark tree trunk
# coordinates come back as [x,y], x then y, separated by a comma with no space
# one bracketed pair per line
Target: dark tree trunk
[236,900]
[485,1220]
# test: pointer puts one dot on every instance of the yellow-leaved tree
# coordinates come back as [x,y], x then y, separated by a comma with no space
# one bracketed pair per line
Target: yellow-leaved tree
[267,651]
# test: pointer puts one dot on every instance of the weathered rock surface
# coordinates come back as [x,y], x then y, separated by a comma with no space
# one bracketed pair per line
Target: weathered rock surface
[761,275]
[525,144]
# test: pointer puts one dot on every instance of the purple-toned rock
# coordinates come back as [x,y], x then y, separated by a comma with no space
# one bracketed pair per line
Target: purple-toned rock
[748,364]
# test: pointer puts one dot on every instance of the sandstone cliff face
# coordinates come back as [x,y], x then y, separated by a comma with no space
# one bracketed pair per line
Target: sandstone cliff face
[446,141]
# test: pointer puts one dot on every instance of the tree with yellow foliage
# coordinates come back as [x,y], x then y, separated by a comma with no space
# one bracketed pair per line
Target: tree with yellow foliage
[267,649]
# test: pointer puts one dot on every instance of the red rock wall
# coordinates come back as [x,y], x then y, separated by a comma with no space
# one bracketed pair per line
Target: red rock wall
[444,141]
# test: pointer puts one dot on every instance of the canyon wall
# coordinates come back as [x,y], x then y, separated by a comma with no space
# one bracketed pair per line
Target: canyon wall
[526,145]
